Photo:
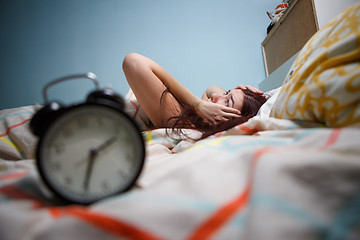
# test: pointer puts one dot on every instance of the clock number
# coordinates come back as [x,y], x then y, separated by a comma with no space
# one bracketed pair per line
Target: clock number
[82,122]
[122,174]
[105,186]
[67,132]
[54,167]
[129,141]
[100,121]
[68,181]
[59,148]
[118,128]
[129,157]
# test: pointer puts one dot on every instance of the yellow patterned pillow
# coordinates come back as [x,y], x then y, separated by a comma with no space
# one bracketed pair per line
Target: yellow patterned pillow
[323,85]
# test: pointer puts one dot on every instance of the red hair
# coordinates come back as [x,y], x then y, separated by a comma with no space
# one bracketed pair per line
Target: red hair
[188,119]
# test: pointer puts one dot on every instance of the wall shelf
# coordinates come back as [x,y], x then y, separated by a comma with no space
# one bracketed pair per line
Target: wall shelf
[289,34]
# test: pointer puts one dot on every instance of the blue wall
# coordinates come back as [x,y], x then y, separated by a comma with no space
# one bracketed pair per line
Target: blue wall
[199,42]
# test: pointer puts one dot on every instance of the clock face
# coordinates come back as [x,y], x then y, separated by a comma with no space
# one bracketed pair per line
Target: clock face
[90,152]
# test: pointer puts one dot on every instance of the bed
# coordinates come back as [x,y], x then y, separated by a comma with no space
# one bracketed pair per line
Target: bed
[291,172]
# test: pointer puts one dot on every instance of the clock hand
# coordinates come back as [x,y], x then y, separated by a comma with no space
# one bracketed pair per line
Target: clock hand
[89,168]
[93,153]
[106,144]
[97,150]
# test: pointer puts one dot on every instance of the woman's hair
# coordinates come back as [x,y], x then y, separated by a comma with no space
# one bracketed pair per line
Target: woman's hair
[188,119]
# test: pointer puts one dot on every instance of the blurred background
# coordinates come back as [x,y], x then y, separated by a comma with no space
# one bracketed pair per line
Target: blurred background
[200,42]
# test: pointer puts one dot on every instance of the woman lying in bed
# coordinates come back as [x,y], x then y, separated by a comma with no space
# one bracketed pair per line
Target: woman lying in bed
[167,103]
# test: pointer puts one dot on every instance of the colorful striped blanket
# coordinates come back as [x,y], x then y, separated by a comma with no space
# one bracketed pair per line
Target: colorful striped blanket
[265,179]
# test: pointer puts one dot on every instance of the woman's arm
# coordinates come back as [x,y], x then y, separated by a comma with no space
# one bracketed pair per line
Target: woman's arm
[148,80]
[208,111]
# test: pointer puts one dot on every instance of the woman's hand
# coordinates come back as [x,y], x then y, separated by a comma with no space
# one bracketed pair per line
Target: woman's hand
[251,88]
[214,113]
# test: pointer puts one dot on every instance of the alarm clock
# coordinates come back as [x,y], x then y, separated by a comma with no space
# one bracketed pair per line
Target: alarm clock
[87,151]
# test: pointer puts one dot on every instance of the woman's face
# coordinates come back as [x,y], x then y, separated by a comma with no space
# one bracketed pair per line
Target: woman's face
[233,98]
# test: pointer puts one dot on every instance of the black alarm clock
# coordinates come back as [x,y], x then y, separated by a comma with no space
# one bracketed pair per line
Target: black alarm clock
[87,151]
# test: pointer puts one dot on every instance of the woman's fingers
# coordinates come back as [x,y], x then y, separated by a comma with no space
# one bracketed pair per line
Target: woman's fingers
[254,89]
[251,88]
[228,111]
[214,113]
[225,113]
[230,115]
[240,86]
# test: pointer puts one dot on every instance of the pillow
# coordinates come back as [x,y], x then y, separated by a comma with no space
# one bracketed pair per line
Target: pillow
[323,84]
[264,111]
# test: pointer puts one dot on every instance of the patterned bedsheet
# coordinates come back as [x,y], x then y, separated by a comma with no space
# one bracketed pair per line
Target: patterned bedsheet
[265,179]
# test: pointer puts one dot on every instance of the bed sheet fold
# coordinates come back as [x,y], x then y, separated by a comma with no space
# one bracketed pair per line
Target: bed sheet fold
[265,179]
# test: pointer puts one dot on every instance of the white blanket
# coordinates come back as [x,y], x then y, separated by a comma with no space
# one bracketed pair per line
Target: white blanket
[265,179]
